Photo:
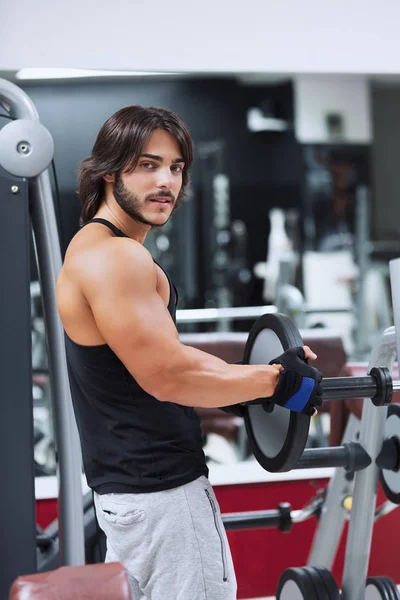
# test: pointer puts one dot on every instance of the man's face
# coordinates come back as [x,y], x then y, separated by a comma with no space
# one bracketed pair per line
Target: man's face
[149,193]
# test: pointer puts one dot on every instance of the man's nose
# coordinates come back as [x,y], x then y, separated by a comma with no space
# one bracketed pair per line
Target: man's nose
[164,179]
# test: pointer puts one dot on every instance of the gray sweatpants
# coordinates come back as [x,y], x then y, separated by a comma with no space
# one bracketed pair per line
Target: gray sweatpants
[172,543]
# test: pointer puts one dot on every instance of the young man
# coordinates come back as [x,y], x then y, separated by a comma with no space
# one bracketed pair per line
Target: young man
[134,384]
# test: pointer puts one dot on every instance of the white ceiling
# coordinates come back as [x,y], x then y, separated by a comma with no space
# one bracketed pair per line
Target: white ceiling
[211,36]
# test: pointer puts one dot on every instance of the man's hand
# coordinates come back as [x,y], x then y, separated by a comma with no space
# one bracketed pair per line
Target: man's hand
[299,385]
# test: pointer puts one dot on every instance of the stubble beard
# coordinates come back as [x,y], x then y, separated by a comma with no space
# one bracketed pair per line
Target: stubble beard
[130,203]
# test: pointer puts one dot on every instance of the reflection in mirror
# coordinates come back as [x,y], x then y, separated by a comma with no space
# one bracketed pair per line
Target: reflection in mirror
[290,207]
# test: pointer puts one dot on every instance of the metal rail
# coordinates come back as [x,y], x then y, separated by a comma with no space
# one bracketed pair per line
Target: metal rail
[209,315]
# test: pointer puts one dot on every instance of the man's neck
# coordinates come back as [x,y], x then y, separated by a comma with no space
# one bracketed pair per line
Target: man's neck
[111,211]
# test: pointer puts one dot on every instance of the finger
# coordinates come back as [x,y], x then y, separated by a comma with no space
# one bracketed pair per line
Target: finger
[312,411]
[300,352]
[308,353]
[309,410]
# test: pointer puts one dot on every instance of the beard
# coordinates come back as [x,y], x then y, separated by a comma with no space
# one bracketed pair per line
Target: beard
[131,205]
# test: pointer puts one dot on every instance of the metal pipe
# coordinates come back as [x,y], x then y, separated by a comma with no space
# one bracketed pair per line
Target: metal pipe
[282,517]
[315,506]
[362,236]
[333,514]
[16,102]
[205,315]
[299,516]
[209,315]
[72,548]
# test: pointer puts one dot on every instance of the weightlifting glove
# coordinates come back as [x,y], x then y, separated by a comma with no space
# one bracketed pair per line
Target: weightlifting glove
[299,387]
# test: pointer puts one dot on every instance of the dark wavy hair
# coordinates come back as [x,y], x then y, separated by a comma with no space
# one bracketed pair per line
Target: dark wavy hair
[118,147]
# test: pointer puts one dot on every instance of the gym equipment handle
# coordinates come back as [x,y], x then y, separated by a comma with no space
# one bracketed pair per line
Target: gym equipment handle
[378,386]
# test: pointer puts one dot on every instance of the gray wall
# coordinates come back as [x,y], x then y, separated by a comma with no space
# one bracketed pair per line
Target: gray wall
[385,162]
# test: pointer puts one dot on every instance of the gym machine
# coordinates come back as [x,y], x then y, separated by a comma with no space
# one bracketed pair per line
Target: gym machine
[277,436]
[26,151]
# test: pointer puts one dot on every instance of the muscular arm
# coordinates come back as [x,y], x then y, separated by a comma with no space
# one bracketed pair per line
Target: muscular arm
[120,288]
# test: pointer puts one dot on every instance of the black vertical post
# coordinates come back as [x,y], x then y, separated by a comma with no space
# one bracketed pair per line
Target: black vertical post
[17,497]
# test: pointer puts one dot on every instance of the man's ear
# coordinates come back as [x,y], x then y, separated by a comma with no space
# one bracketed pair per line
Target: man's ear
[110,177]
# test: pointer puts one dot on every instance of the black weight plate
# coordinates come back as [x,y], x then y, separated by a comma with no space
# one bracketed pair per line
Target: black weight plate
[391,587]
[375,589]
[329,582]
[295,584]
[277,438]
[319,587]
[384,583]
[390,480]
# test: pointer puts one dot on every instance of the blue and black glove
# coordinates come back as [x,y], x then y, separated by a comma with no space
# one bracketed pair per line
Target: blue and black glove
[299,387]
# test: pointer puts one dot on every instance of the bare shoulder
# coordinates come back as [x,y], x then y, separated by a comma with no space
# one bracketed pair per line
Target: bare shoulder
[101,261]
[101,274]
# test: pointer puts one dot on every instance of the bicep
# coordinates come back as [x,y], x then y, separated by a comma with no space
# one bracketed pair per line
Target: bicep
[134,321]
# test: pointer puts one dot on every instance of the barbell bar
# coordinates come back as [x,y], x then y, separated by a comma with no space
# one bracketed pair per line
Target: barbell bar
[378,386]
[283,517]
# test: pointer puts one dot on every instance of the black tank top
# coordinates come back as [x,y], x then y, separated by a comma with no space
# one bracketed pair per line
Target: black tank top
[130,441]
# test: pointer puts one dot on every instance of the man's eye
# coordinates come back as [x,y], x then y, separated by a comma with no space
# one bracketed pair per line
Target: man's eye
[147,165]
[177,168]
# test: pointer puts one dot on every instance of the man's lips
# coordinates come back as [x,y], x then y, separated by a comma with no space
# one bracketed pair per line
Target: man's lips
[163,199]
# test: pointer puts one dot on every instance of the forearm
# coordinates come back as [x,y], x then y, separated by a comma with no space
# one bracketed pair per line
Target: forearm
[195,378]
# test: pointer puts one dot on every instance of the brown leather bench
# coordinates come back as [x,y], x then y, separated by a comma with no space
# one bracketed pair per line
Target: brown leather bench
[227,345]
[90,582]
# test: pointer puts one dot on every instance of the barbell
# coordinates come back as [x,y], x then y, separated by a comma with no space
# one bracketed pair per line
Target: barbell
[278,436]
